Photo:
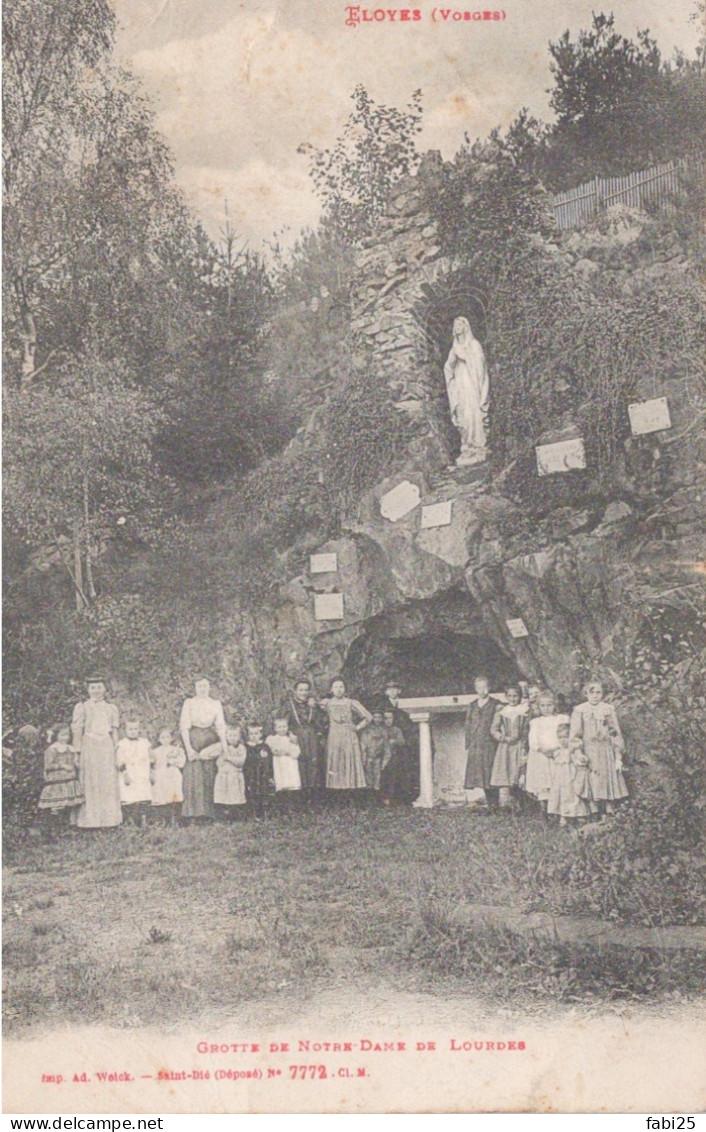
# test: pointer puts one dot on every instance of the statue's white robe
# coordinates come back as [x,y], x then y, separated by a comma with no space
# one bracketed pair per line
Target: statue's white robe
[468,390]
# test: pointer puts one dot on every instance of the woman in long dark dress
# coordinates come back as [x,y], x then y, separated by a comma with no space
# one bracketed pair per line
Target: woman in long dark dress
[309,723]
[405,756]
[202,724]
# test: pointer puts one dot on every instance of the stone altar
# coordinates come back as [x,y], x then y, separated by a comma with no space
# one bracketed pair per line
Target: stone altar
[442,747]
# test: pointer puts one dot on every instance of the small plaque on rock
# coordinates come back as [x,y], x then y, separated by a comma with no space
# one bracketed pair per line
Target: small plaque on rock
[437,514]
[323,563]
[328,607]
[400,501]
[649,416]
[517,627]
[563,456]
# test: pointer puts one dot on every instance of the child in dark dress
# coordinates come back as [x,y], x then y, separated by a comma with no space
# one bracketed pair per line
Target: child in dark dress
[510,732]
[258,772]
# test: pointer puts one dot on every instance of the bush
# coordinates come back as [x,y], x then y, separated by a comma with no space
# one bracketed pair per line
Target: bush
[362,435]
[236,553]
[261,533]
[21,784]
[640,867]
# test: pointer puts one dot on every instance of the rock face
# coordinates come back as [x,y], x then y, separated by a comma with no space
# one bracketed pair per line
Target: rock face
[394,273]
[407,589]
[432,603]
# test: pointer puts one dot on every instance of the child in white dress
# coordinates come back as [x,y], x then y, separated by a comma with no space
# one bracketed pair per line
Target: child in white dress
[285,757]
[132,756]
[564,800]
[166,761]
[229,787]
[542,742]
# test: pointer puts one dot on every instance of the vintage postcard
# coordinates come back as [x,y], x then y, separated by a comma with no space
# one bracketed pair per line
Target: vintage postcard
[354,708]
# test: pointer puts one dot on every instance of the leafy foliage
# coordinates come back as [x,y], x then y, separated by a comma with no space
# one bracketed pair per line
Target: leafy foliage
[638,869]
[131,339]
[221,414]
[361,437]
[669,643]
[78,453]
[88,193]
[22,767]
[375,149]
[238,552]
[619,107]
[306,345]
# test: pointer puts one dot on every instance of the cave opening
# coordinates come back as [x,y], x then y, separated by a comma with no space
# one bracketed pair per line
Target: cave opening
[434,648]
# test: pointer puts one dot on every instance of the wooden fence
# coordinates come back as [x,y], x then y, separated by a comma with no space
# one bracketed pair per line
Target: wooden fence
[653,186]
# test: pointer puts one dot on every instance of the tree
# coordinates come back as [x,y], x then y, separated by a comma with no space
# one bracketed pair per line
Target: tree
[376,148]
[310,319]
[222,413]
[95,241]
[89,197]
[78,468]
[525,143]
[103,260]
[619,105]
[44,47]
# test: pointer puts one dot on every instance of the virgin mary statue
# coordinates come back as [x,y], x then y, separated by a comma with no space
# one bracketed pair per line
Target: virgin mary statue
[468,389]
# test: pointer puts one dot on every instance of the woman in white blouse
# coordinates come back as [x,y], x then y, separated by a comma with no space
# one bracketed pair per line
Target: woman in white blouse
[202,724]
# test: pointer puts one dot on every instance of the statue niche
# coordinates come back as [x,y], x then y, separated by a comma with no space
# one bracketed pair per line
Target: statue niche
[468,390]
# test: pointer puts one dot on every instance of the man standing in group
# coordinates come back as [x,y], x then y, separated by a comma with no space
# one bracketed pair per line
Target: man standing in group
[390,702]
[308,723]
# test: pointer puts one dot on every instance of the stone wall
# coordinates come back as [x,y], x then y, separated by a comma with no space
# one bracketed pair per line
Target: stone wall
[393,270]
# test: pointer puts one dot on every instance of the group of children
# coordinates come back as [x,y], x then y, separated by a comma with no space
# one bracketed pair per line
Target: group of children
[150,778]
[572,766]
[386,758]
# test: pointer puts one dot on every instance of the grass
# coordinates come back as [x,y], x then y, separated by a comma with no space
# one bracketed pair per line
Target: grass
[188,923]
[156,935]
[518,966]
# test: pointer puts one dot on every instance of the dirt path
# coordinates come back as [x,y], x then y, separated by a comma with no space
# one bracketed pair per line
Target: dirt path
[408,1052]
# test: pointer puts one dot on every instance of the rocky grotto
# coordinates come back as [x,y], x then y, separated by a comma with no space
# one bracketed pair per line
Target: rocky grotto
[436,603]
